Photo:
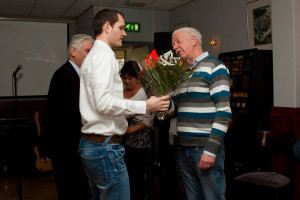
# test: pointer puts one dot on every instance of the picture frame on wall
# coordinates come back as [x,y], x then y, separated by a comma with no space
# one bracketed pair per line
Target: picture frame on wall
[259,24]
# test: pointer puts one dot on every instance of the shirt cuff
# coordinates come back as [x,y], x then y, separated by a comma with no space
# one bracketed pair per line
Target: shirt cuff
[209,153]
[171,107]
[140,107]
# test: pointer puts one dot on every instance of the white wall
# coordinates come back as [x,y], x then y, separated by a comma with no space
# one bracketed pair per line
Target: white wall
[151,21]
[286,30]
[83,24]
[161,21]
[296,8]
[217,19]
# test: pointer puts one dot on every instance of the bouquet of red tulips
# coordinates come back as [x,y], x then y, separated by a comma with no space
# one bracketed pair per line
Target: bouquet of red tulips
[163,73]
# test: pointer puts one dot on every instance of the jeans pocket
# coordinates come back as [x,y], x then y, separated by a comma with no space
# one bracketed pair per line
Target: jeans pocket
[95,167]
[116,153]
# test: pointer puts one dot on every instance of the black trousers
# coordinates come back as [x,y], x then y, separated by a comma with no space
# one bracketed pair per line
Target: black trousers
[138,162]
[70,178]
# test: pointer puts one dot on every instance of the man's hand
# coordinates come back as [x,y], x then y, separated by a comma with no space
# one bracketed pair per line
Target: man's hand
[155,104]
[206,161]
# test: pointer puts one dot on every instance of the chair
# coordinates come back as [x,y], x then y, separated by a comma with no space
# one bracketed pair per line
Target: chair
[264,185]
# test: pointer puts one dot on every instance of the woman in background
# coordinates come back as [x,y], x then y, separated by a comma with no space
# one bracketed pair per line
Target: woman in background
[137,140]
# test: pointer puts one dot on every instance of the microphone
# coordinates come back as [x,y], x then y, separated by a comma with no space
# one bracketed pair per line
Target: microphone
[18,69]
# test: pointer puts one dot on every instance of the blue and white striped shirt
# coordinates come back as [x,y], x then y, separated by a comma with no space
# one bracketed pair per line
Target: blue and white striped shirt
[203,105]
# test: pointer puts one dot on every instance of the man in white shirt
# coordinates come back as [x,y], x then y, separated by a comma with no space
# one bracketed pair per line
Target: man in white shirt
[103,110]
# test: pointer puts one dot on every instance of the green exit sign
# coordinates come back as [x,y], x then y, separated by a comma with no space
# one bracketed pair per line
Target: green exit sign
[132,27]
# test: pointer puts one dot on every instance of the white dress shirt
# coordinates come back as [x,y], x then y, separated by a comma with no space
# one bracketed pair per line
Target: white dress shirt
[77,69]
[102,105]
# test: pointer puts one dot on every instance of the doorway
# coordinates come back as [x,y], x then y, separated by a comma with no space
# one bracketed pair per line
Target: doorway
[136,51]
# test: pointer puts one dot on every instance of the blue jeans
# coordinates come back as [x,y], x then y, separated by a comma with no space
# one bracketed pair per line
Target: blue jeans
[201,184]
[106,169]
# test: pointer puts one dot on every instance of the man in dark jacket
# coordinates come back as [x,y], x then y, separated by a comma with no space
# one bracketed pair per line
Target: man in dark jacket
[61,128]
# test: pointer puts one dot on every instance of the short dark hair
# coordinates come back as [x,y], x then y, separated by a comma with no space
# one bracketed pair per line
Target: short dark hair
[102,17]
[131,68]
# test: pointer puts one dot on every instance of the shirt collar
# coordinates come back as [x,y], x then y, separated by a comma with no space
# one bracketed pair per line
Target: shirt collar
[77,69]
[105,45]
[199,58]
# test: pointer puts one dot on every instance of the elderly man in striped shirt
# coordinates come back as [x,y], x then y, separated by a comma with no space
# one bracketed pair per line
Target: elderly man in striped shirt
[202,108]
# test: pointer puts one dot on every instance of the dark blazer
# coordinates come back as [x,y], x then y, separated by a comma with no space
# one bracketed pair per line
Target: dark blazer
[61,132]
[61,126]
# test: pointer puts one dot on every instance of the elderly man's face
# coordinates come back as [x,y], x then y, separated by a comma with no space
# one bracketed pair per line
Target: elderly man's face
[182,44]
[79,55]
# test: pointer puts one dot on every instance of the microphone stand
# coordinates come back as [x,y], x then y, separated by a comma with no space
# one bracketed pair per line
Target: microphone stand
[16,113]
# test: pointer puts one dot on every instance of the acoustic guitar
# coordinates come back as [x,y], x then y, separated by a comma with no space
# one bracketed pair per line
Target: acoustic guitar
[42,164]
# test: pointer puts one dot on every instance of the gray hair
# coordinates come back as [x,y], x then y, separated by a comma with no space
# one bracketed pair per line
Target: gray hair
[189,32]
[77,40]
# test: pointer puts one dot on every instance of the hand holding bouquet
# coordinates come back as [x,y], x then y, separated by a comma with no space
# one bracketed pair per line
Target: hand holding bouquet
[164,73]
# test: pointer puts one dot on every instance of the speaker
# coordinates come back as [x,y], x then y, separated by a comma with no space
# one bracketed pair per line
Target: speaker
[163,42]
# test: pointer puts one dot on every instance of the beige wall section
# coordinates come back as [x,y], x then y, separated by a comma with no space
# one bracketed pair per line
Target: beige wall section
[296,9]
[286,68]
[225,21]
